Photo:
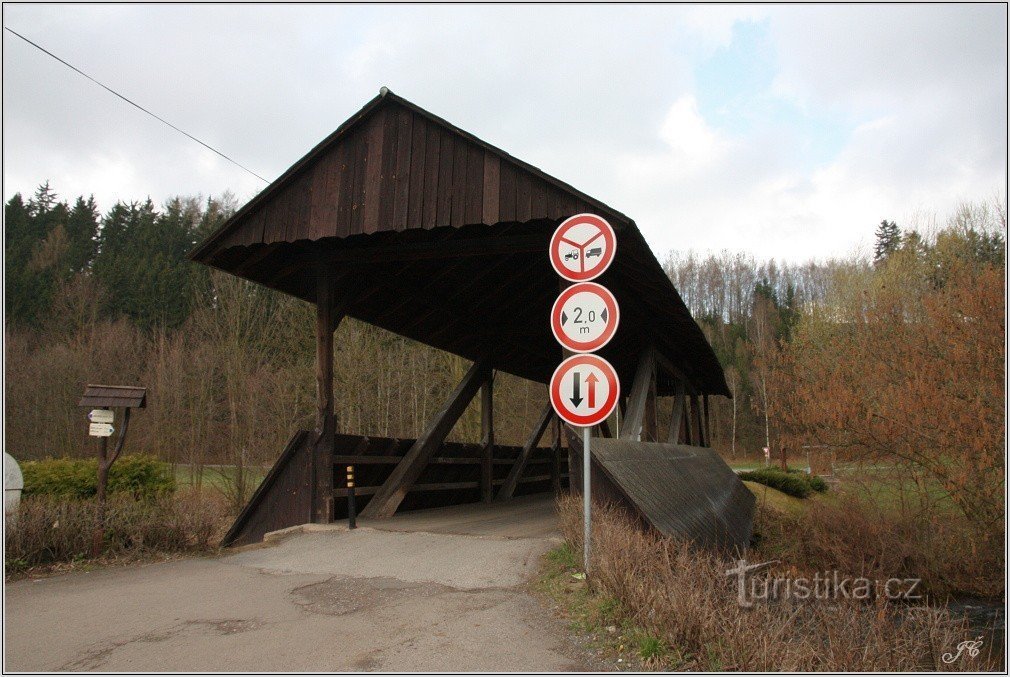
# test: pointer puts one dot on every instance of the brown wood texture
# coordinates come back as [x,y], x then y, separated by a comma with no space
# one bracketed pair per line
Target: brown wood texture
[638,397]
[512,481]
[394,171]
[393,490]
[678,414]
[487,439]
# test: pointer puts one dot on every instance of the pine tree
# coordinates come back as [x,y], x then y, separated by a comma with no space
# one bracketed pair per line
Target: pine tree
[888,240]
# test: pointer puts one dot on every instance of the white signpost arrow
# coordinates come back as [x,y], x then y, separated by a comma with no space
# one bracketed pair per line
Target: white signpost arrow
[584,389]
[101,416]
[100,430]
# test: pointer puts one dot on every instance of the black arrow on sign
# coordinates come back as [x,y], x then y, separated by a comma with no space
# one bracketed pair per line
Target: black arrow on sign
[604,315]
[576,388]
[564,317]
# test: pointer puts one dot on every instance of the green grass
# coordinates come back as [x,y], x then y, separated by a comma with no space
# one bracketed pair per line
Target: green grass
[773,498]
[893,490]
[218,476]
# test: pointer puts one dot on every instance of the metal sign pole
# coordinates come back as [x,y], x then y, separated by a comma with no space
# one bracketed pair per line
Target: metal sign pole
[586,502]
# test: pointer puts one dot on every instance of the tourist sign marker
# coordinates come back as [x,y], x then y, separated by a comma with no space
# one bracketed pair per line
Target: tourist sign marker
[585,317]
[583,247]
[100,430]
[101,416]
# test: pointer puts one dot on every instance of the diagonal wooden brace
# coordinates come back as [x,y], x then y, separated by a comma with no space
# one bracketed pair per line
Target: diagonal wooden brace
[392,492]
[638,398]
[512,481]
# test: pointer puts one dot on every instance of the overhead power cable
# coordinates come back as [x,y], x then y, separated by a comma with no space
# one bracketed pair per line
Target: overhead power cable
[136,105]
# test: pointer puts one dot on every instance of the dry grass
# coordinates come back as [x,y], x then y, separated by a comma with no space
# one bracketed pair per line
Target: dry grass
[55,531]
[851,534]
[687,615]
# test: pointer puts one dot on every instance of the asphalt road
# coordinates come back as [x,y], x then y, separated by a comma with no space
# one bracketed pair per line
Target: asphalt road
[440,591]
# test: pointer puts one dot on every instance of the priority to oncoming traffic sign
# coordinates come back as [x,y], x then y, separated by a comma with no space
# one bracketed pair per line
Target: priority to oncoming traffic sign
[585,317]
[584,390]
[583,247]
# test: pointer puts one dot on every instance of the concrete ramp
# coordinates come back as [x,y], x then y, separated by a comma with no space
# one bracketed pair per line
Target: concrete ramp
[682,491]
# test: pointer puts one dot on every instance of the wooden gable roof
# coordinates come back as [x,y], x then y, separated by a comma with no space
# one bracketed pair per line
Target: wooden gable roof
[448,227]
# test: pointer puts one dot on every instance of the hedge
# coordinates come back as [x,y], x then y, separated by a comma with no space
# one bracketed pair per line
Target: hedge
[792,482]
[142,476]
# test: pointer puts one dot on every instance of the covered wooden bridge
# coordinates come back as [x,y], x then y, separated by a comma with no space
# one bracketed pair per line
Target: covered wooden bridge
[404,221]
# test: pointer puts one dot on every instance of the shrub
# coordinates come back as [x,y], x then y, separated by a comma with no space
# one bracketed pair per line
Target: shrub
[142,476]
[857,536]
[686,606]
[52,528]
[793,484]
[818,483]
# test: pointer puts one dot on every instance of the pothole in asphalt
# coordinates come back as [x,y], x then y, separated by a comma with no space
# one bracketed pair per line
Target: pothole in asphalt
[340,596]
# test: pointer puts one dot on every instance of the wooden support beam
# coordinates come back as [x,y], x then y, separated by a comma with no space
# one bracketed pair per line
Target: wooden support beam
[512,481]
[487,439]
[405,474]
[708,421]
[686,421]
[678,414]
[650,428]
[322,457]
[604,429]
[634,419]
[696,422]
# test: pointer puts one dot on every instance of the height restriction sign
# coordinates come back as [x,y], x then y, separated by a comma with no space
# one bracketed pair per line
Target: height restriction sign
[584,317]
[583,247]
[584,390]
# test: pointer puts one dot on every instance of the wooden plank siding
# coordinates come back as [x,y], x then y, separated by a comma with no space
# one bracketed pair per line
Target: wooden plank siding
[392,172]
[397,170]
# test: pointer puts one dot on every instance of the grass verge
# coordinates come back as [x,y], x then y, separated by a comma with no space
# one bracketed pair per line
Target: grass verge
[654,603]
[54,533]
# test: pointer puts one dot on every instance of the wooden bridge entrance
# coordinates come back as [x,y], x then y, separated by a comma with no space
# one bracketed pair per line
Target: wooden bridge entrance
[404,221]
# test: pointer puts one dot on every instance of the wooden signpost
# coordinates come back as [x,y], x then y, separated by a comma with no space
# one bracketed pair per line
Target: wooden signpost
[100,426]
[584,388]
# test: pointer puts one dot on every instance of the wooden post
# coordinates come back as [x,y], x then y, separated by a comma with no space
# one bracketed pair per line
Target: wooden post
[696,422]
[98,536]
[487,441]
[322,457]
[708,421]
[632,427]
[512,481]
[104,464]
[649,427]
[686,420]
[676,421]
[392,492]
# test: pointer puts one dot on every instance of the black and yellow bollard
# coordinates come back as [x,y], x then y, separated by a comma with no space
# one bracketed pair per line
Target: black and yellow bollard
[351,515]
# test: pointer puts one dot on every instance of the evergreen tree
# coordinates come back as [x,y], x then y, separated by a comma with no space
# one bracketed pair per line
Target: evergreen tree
[888,240]
[82,235]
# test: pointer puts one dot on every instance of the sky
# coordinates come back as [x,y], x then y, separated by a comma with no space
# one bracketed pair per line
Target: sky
[785,132]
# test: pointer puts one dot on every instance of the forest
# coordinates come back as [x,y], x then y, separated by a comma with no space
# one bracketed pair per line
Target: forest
[892,355]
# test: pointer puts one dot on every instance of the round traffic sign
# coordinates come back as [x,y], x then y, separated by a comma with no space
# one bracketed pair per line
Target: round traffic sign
[584,390]
[583,247]
[585,317]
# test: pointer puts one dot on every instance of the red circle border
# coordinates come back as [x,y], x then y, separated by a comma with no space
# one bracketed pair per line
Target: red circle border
[608,407]
[568,224]
[603,339]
